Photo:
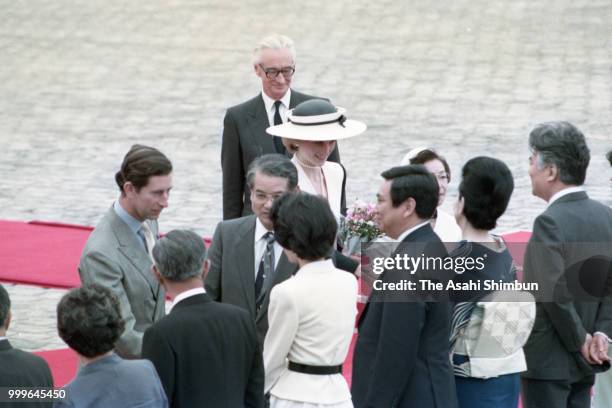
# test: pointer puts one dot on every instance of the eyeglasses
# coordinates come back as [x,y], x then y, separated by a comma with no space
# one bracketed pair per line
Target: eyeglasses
[272,73]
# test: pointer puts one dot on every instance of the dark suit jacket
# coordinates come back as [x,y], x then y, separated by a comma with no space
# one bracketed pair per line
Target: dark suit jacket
[21,369]
[572,229]
[244,139]
[207,355]
[402,353]
[231,277]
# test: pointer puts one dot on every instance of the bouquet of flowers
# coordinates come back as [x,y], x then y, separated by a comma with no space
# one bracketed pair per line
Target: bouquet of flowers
[358,226]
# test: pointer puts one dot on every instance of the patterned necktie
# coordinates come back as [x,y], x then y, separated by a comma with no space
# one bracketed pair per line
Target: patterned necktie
[266,266]
[278,143]
[149,239]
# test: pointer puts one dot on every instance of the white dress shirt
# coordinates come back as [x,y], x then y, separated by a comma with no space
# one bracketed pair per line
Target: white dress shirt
[282,109]
[260,246]
[186,294]
[564,192]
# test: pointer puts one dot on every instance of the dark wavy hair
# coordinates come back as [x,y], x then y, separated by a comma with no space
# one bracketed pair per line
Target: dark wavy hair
[140,163]
[89,320]
[427,155]
[304,224]
[486,186]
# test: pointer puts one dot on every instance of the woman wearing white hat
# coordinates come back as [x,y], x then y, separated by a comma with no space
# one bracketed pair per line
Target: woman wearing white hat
[443,223]
[311,132]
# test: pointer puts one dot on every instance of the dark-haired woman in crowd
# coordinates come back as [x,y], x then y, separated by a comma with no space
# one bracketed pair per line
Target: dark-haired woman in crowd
[442,222]
[486,367]
[89,321]
[311,315]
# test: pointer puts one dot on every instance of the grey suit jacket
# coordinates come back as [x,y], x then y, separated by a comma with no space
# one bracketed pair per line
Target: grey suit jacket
[573,229]
[114,382]
[231,277]
[114,257]
[244,139]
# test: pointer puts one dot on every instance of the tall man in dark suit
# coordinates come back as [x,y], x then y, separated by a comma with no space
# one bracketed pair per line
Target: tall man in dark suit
[244,127]
[568,255]
[401,356]
[118,251]
[18,368]
[206,353]
[240,248]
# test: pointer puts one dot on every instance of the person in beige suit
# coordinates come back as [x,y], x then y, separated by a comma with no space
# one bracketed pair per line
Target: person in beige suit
[311,315]
[118,251]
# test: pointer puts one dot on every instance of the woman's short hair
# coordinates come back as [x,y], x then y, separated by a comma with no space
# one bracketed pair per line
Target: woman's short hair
[486,186]
[89,320]
[304,224]
[427,155]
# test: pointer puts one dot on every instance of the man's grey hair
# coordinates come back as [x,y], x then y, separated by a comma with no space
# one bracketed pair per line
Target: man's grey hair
[274,41]
[562,145]
[273,165]
[179,255]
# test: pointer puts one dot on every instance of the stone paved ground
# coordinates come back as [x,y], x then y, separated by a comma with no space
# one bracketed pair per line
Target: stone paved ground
[82,81]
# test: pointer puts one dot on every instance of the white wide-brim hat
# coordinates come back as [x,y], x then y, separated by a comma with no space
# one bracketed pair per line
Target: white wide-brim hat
[317,120]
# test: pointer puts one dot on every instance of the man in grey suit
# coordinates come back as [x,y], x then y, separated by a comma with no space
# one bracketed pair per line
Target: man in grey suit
[244,127]
[118,252]
[240,248]
[568,255]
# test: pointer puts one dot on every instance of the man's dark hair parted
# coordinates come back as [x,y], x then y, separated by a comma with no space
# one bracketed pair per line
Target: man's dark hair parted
[416,182]
[140,163]
[486,186]
[561,144]
[304,224]
[89,320]
[273,165]
[179,255]
[5,305]
[427,155]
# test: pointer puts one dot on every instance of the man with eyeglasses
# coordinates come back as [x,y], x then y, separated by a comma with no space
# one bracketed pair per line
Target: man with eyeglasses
[244,126]
[245,260]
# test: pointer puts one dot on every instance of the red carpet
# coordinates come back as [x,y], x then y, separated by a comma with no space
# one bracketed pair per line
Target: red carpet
[63,364]
[42,253]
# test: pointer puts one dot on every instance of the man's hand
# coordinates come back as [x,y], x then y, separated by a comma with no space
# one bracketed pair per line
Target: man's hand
[585,349]
[598,349]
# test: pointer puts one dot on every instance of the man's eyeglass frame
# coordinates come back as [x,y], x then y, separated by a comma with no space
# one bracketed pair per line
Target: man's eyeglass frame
[272,73]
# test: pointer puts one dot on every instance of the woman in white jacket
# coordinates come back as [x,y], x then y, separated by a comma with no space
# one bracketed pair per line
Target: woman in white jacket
[312,315]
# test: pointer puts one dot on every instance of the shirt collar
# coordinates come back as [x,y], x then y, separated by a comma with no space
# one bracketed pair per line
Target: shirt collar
[186,294]
[404,234]
[269,102]
[3,338]
[260,230]
[131,222]
[564,192]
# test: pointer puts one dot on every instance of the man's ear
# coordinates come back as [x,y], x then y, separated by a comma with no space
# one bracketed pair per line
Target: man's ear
[205,268]
[7,322]
[157,275]
[552,172]
[409,207]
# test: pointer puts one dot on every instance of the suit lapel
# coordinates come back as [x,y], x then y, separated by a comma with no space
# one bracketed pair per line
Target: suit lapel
[5,345]
[257,120]
[133,251]
[244,258]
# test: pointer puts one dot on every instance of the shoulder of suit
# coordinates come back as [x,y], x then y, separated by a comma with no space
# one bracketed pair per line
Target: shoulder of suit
[237,223]
[246,105]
